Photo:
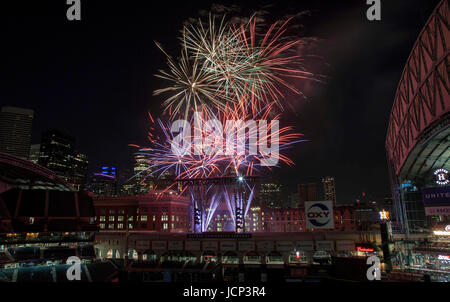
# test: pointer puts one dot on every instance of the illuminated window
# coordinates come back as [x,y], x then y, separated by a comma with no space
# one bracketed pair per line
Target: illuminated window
[112,211]
[173,226]
[130,218]
[144,218]
[154,217]
[111,226]
[130,225]
[165,226]
[178,218]
[119,218]
[111,218]
[120,226]
[102,218]
[102,225]
[164,217]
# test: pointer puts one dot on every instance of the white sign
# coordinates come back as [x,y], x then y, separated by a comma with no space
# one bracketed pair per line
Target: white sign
[441,177]
[319,215]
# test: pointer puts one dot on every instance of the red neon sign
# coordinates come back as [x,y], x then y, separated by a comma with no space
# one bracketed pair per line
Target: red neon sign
[364,249]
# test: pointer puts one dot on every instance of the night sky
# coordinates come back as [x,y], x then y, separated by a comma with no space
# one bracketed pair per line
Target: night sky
[94,78]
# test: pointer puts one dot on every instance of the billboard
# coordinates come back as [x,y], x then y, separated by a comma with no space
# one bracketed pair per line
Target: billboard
[436,200]
[319,215]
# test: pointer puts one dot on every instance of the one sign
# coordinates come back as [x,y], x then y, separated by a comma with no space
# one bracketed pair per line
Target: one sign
[441,177]
[364,249]
[436,196]
[432,211]
[384,215]
[436,200]
[319,214]
[325,245]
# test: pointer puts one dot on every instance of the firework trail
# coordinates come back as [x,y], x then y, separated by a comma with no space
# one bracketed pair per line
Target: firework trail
[225,72]
[221,63]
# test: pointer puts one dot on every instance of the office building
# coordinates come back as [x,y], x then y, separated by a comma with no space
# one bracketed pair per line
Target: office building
[35,151]
[57,153]
[15,131]
[329,189]
[79,171]
[104,183]
[270,195]
[307,192]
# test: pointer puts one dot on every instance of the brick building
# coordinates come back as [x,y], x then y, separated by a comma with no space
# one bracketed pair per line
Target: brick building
[157,211]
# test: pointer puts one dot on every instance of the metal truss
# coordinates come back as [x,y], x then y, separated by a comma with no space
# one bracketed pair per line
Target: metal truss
[423,93]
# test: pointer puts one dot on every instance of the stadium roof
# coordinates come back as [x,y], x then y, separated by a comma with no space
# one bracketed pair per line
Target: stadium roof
[21,173]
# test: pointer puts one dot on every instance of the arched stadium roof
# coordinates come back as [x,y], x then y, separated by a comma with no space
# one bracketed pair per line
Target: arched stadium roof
[21,173]
[418,136]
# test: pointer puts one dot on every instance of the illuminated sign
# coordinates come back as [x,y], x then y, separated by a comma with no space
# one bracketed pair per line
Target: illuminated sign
[447,228]
[364,249]
[441,233]
[319,214]
[444,257]
[441,177]
[384,215]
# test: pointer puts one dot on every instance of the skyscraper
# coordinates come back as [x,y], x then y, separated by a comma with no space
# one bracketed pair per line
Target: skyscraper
[141,181]
[35,151]
[270,195]
[104,183]
[15,131]
[79,171]
[58,154]
[307,192]
[329,189]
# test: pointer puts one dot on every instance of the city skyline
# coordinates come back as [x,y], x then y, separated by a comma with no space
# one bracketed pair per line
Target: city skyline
[218,141]
[336,147]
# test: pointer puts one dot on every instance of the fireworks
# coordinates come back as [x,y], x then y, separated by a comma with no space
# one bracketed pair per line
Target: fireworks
[222,64]
[224,99]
